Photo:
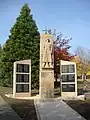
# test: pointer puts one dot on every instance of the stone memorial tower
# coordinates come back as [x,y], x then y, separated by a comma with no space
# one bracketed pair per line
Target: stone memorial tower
[46,66]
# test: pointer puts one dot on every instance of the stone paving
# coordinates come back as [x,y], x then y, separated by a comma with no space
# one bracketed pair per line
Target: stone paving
[6,113]
[52,109]
[55,110]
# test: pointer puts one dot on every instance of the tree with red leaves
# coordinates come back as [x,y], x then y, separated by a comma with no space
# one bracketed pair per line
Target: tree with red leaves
[61,47]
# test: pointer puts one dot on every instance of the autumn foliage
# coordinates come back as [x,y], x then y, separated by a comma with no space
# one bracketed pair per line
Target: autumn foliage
[61,47]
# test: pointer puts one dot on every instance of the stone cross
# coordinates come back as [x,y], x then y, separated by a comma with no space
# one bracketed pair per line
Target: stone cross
[46,30]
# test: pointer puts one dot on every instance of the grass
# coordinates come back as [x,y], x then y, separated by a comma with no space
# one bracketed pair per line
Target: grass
[82,107]
[80,84]
[8,90]
[5,90]
[57,93]
[24,108]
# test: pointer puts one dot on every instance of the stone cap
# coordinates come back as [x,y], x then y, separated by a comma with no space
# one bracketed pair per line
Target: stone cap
[23,61]
[46,36]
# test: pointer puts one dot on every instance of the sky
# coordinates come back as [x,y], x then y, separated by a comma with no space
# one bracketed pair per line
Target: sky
[71,17]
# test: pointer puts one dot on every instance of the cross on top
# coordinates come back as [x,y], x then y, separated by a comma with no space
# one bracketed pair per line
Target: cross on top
[47,31]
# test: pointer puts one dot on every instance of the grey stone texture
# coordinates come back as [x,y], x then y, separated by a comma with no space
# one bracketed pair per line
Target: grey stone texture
[6,112]
[56,110]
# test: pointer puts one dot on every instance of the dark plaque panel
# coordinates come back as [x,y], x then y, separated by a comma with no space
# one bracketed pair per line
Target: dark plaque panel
[71,68]
[68,78]
[22,68]
[22,88]
[22,78]
[68,87]
[64,68]
[68,69]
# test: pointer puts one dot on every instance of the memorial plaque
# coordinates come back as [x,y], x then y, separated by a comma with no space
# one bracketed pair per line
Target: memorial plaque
[68,78]
[68,87]
[22,88]
[64,68]
[68,69]
[22,78]
[22,68]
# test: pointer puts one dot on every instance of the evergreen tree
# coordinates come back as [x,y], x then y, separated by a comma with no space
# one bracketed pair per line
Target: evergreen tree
[0,50]
[23,43]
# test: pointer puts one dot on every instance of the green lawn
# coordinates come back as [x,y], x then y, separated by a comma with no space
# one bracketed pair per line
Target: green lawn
[6,90]
[26,109]
[35,91]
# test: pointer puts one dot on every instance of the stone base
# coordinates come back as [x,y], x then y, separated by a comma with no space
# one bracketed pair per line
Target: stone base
[49,99]
[68,94]
[87,96]
[80,97]
[47,83]
[23,97]
[27,94]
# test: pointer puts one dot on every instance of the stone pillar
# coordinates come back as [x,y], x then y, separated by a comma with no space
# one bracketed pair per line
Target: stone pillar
[46,88]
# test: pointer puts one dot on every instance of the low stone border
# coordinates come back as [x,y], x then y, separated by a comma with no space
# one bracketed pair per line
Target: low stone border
[37,111]
[80,97]
[26,98]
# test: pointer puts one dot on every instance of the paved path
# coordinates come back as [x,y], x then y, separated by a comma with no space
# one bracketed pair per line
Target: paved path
[55,110]
[6,113]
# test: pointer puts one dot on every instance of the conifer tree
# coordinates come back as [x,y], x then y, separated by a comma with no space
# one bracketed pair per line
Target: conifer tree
[23,43]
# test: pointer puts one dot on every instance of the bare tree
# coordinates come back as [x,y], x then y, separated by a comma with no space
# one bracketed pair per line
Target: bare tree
[84,57]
